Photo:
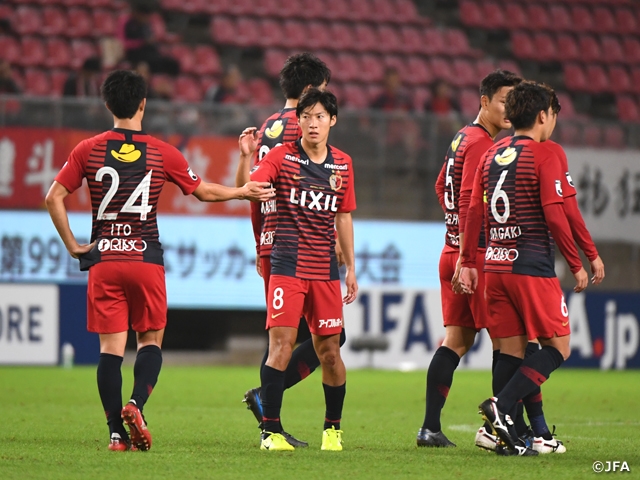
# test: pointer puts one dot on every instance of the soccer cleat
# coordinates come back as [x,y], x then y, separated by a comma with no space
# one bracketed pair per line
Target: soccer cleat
[520,450]
[118,444]
[275,442]
[293,441]
[254,403]
[543,446]
[427,438]
[486,440]
[527,438]
[138,432]
[498,420]
[332,440]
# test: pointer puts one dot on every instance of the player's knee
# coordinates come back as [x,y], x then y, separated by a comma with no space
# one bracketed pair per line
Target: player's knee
[329,359]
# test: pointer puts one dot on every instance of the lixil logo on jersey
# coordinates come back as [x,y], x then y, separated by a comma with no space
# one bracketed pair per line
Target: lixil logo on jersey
[314,200]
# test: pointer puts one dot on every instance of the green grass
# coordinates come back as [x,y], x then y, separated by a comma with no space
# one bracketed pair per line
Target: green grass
[53,427]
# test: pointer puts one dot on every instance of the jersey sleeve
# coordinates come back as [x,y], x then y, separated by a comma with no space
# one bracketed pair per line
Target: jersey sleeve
[474,157]
[267,169]
[73,171]
[440,187]
[550,177]
[177,170]
[348,203]
[568,188]
[256,223]
[475,216]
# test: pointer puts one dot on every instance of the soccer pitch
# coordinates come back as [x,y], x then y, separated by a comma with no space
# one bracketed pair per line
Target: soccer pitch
[53,427]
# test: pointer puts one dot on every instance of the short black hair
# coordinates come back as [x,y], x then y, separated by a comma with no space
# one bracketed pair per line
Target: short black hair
[527,100]
[123,91]
[497,79]
[312,96]
[301,70]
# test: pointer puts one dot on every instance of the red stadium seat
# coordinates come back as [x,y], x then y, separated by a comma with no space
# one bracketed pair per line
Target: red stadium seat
[240,7]
[625,21]
[604,20]
[337,10]
[389,39]
[397,62]
[598,80]
[348,68]
[433,42]
[80,51]
[494,17]
[104,23]
[406,12]
[58,53]
[26,20]
[612,49]
[628,110]
[484,67]
[582,19]
[317,36]
[442,69]
[10,49]
[260,92]
[311,9]
[471,14]
[341,37]
[371,68]
[560,20]
[360,10]
[456,42]
[6,11]
[614,137]
[273,61]
[509,65]
[567,112]
[631,50]
[538,17]
[160,30]
[79,23]
[589,49]
[58,78]
[464,75]
[412,39]
[366,39]
[619,79]
[417,71]
[33,52]
[383,10]
[36,82]
[54,21]
[187,89]
[355,96]
[517,18]
[567,134]
[270,35]
[295,33]
[574,77]
[184,55]
[592,135]
[207,61]
[544,47]
[248,33]
[635,79]
[469,103]
[522,45]
[421,95]
[223,30]
[219,7]
[568,46]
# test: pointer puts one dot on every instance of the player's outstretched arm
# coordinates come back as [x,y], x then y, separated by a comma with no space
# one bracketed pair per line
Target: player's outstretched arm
[55,204]
[248,142]
[253,191]
[344,227]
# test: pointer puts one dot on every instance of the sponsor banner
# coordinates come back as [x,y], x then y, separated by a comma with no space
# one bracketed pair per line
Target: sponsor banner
[608,184]
[30,158]
[406,327]
[29,324]
[210,261]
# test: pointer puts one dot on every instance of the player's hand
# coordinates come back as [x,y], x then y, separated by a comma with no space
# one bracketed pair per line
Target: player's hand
[80,250]
[258,191]
[258,265]
[582,280]
[352,287]
[455,280]
[597,268]
[339,254]
[248,141]
[468,279]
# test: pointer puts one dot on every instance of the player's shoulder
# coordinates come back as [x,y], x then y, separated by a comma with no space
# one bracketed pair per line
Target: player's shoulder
[498,146]
[555,148]
[163,147]
[545,151]
[473,135]
[91,142]
[340,157]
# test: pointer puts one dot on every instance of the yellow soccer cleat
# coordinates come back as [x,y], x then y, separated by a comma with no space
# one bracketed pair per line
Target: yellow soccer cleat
[332,440]
[276,442]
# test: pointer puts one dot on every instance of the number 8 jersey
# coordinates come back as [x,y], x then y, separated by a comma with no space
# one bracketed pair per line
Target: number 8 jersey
[126,171]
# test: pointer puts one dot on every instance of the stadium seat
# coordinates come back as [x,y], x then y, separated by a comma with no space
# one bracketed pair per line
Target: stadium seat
[456,42]
[544,48]
[469,102]
[406,12]
[371,69]
[567,134]
[411,39]
[464,75]
[248,33]
[337,10]
[36,82]
[522,45]
[355,96]
[160,30]
[614,136]
[33,52]
[397,62]
[207,61]
[80,51]
[10,49]
[484,67]
[582,19]
[239,8]
[494,17]
[538,17]
[270,34]
[568,46]
[79,23]
[441,69]
[589,49]
[360,10]
[317,36]
[574,77]
[421,95]
[341,36]
[516,15]
[631,47]
[373,92]
[612,50]
[471,14]
[206,83]
[628,110]
[273,61]
[382,10]
[54,21]
[509,65]
[260,92]
[58,53]
[567,112]
[560,20]
[619,79]
[222,30]
[635,79]
[592,135]
[58,78]
[433,42]
[187,89]
[417,71]
[104,23]
[625,21]
[597,79]
[348,68]
[365,37]
[604,20]
[311,9]
[219,7]
[184,55]
[389,39]
[26,20]
[6,11]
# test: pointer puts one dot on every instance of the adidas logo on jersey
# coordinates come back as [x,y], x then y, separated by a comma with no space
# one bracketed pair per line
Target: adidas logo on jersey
[314,200]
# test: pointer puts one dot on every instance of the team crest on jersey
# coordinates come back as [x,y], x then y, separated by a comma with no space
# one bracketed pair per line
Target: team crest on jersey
[570,180]
[507,156]
[456,142]
[275,130]
[335,181]
[128,153]
[559,188]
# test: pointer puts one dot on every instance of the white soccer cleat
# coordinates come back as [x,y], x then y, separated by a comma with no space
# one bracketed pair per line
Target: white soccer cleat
[486,440]
[542,446]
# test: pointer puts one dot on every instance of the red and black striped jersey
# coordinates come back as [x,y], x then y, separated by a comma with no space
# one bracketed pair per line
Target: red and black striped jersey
[518,177]
[308,197]
[458,171]
[279,128]
[126,171]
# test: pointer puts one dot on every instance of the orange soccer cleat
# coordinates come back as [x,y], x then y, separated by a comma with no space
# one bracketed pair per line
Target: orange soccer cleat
[140,436]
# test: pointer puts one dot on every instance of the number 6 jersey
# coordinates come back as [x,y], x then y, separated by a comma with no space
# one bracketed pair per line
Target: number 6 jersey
[126,171]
